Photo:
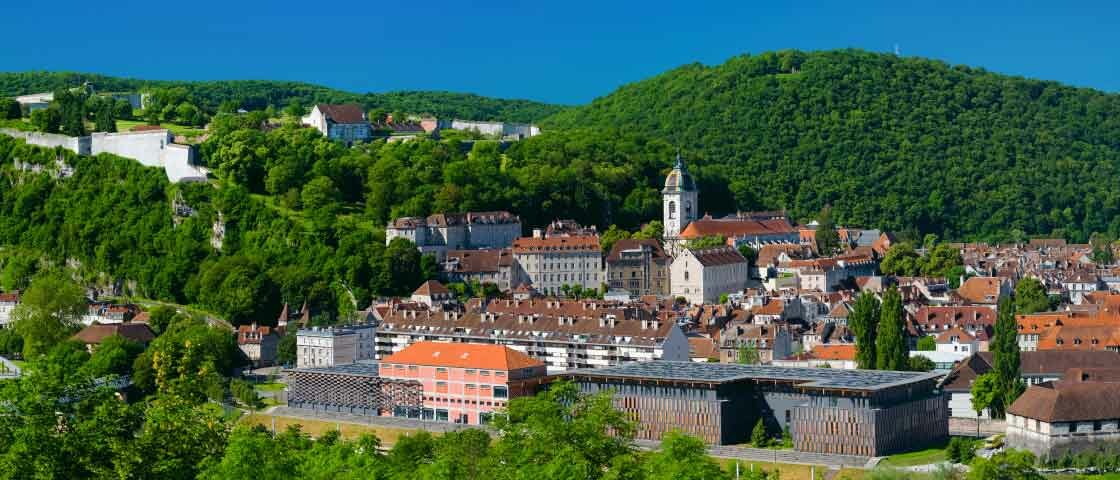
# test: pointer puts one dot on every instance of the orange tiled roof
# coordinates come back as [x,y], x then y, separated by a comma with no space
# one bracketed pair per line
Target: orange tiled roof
[835,351]
[731,228]
[463,355]
[980,289]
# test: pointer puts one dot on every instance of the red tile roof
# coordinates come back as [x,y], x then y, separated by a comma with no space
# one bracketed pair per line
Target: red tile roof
[96,333]
[533,244]
[738,227]
[980,290]
[463,355]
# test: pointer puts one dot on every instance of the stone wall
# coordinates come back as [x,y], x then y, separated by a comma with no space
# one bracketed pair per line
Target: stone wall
[79,145]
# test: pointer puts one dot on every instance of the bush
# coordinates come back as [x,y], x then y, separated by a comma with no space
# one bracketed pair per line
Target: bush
[758,435]
[961,450]
[11,344]
[243,391]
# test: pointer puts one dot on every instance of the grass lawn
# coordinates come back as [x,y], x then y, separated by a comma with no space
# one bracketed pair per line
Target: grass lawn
[317,428]
[787,471]
[920,457]
[187,131]
[270,386]
[1064,476]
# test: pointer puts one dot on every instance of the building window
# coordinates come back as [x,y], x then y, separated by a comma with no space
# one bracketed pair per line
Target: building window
[501,392]
[672,209]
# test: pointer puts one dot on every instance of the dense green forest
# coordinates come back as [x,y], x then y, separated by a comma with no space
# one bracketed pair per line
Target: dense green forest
[259,94]
[304,216]
[900,143]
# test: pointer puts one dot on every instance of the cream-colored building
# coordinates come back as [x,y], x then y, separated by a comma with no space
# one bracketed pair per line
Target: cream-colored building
[701,276]
[549,263]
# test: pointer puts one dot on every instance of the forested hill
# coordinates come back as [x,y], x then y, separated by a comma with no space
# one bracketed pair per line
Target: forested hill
[890,142]
[258,94]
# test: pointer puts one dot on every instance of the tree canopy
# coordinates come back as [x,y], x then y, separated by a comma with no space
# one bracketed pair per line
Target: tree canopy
[801,130]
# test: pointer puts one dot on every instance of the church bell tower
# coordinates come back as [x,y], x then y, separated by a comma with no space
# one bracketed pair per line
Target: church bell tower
[679,204]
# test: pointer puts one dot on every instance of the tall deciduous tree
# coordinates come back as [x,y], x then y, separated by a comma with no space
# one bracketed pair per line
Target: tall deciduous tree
[682,457]
[105,117]
[828,241]
[891,352]
[864,321]
[48,313]
[1031,297]
[9,109]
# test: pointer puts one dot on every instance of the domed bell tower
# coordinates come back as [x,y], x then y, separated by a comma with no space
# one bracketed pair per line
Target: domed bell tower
[679,204]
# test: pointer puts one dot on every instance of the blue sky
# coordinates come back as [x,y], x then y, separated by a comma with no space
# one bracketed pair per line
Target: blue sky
[564,52]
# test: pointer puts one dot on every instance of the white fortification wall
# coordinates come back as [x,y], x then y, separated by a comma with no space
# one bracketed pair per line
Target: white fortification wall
[152,148]
[79,145]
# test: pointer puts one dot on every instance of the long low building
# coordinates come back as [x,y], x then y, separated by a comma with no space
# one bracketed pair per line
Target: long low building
[853,412]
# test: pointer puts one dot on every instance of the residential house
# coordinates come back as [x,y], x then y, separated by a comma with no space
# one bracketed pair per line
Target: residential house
[345,123]
[983,290]
[840,356]
[769,341]
[431,293]
[1035,368]
[493,265]
[94,334]
[703,275]
[640,267]
[259,344]
[1079,283]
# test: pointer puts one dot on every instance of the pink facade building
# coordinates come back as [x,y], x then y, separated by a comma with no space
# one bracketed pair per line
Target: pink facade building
[463,382]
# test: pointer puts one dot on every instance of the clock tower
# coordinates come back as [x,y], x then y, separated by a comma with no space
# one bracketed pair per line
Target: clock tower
[679,204]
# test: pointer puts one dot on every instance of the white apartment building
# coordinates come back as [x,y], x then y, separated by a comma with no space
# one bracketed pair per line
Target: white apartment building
[564,334]
[701,276]
[327,347]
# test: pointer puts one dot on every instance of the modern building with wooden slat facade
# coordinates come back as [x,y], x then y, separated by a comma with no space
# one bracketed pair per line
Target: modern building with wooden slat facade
[853,412]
